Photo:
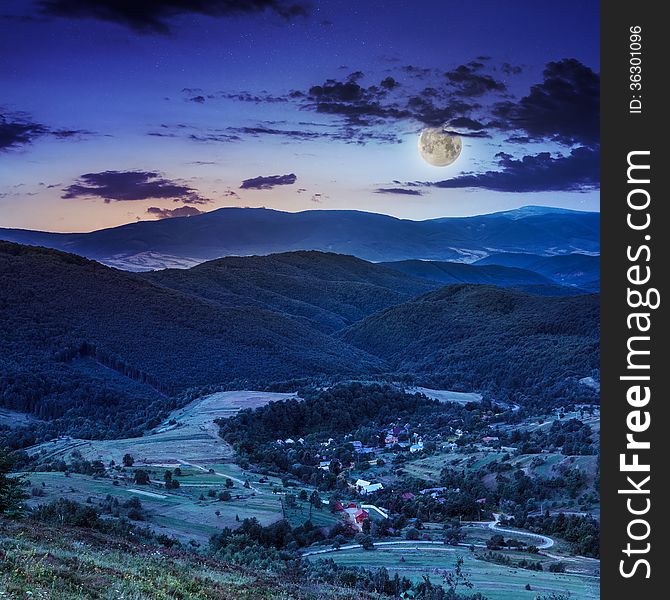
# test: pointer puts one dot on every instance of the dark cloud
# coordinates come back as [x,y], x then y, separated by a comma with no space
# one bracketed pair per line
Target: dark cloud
[416,72]
[389,83]
[510,69]
[19,129]
[578,171]
[429,110]
[401,191]
[131,185]
[255,98]
[268,182]
[294,134]
[16,132]
[470,82]
[564,108]
[167,213]
[355,103]
[154,16]
[213,137]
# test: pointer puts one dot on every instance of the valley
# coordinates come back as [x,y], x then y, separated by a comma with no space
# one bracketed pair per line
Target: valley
[187,445]
[304,406]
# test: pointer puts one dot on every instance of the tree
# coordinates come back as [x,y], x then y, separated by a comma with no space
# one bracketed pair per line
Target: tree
[457,578]
[412,534]
[453,535]
[303,495]
[128,460]
[496,541]
[141,477]
[225,496]
[365,541]
[315,500]
[12,488]
[229,482]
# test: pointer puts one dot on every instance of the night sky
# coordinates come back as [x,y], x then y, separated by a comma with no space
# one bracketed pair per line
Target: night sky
[113,110]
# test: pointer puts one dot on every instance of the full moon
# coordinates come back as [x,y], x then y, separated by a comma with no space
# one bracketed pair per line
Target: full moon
[439,148]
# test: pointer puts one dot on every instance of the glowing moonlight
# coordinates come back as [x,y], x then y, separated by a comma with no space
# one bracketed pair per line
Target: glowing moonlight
[439,148]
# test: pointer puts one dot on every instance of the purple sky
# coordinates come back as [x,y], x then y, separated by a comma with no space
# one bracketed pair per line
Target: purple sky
[110,115]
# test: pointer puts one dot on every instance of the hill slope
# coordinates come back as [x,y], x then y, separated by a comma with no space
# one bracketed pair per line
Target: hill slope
[48,562]
[330,291]
[488,338]
[55,304]
[575,269]
[244,231]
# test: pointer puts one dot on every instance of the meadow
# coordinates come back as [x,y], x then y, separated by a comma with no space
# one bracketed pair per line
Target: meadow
[496,582]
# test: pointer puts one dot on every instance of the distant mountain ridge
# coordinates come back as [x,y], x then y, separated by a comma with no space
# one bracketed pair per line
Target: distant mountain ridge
[535,277]
[576,269]
[375,237]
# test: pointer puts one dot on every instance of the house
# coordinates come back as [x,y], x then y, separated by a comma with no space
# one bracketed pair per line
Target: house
[356,516]
[407,496]
[373,487]
[481,501]
[418,447]
[289,441]
[367,487]
[360,515]
[489,438]
[382,512]
[324,465]
[357,444]
[433,491]
[338,506]
[389,440]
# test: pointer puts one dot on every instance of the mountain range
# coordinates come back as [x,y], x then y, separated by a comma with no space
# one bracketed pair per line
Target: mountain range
[186,241]
[100,352]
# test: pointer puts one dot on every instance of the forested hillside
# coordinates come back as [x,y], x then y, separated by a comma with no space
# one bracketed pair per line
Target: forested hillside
[94,351]
[488,338]
[329,290]
[70,326]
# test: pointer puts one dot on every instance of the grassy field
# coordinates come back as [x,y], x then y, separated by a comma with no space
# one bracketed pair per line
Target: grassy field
[496,582]
[180,513]
[188,434]
[187,440]
[447,395]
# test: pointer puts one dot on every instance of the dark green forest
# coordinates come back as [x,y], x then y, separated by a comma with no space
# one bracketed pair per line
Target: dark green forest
[92,351]
[515,345]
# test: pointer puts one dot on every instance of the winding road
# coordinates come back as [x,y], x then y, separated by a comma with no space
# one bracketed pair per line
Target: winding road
[545,541]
